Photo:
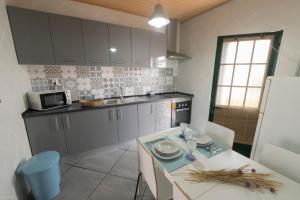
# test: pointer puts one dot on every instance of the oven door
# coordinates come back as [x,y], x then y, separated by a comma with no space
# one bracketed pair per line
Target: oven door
[53,100]
[182,115]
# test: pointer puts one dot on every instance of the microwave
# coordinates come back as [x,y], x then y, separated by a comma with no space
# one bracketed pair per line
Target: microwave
[48,100]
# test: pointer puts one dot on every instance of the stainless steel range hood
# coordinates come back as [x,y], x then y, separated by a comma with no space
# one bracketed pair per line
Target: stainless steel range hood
[173,42]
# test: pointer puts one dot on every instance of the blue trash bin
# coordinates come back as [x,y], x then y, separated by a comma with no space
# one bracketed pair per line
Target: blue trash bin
[42,174]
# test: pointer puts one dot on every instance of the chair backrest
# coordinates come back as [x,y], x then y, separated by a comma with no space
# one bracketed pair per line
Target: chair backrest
[153,174]
[282,161]
[146,167]
[178,194]
[221,133]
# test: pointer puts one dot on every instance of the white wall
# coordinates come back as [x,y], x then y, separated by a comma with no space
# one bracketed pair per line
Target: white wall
[199,40]
[14,80]
[14,83]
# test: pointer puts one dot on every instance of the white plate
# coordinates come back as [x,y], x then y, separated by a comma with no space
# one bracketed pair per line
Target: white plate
[166,148]
[166,157]
[204,140]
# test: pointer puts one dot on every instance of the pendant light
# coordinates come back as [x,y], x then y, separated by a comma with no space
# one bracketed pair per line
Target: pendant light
[158,18]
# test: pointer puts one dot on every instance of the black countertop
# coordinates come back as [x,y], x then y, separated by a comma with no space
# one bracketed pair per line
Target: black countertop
[75,106]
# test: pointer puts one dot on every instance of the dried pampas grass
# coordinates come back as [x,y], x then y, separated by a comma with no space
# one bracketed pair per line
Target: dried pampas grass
[248,178]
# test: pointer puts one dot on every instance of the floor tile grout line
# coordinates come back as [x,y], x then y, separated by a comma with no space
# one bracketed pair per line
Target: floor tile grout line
[122,177]
[92,192]
[104,177]
[116,162]
[93,170]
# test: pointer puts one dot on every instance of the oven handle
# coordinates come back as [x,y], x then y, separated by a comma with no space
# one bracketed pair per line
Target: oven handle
[183,109]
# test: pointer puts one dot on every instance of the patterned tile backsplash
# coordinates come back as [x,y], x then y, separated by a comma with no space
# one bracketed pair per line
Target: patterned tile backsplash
[103,82]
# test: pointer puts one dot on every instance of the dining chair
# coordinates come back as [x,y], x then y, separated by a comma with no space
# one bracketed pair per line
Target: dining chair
[225,135]
[152,173]
[178,194]
[281,160]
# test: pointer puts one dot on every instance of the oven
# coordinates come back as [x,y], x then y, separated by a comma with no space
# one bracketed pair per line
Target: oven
[181,112]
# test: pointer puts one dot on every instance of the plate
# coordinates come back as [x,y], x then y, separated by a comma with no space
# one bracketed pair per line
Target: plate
[166,148]
[204,140]
[165,157]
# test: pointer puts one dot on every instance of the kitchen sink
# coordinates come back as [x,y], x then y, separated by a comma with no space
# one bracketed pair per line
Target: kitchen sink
[120,101]
[112,101]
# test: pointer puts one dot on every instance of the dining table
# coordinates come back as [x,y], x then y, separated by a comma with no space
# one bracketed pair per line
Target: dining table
[212,190]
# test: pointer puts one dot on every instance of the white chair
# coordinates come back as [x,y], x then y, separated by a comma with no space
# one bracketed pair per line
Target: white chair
[221,133]
[152,173]
[178,194]
[282,161]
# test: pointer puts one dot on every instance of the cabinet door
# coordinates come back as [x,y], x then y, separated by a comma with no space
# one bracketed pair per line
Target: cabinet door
[87,130]
[163,115]
[158,47]
[46,133]
[146,118]
[67,40]
[31,33]
[96,46]
[119,39]
[127,122]
[140,47]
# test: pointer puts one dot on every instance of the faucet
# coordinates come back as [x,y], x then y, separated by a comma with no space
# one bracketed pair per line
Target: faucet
[121,93]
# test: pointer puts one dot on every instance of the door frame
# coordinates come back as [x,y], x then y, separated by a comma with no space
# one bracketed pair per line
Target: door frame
[271,68]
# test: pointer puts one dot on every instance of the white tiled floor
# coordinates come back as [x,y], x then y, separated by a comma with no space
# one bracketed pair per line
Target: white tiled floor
[104,174]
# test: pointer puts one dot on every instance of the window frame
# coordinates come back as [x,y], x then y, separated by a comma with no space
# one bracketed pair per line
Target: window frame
[275,45]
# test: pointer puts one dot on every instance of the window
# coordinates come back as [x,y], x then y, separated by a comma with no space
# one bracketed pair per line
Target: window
[243,68]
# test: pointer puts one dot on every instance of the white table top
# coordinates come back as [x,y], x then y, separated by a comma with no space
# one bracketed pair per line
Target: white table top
[227,159]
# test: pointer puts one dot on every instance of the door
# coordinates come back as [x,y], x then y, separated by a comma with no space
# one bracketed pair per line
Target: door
[46,133]
[31,33]
[87,130]
[96,46]
[67,41]
[120,45]
[163,115]
[146,118]
[242,65]
[140,47]
[127,122]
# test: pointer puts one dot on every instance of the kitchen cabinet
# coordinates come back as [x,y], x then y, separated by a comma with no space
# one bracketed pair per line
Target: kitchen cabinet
[31,34]
[46,133]
[127,122]
[67,41]
[163,115]
[90,129]
[46,39]
[96,44]
[146,118]
[120,45]
[140,47]
[158,47]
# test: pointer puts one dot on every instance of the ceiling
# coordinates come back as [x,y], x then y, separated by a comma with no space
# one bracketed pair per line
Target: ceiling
[179,9]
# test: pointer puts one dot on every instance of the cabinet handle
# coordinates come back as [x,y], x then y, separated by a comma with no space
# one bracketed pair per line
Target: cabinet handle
[68,122]
[119,114]
[110,115]
[56,123]
[151,109]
